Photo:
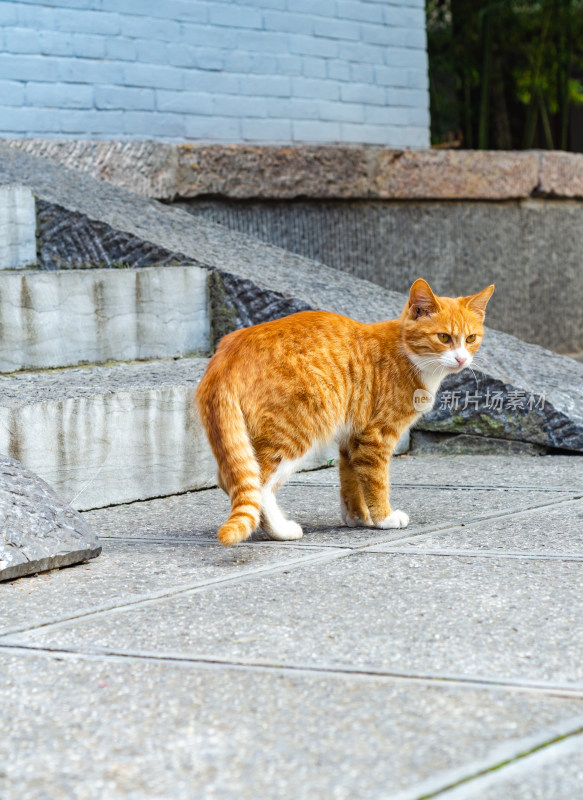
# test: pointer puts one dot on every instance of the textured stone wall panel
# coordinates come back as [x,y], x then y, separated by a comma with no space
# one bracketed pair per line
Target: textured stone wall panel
[531,250]
[72,241]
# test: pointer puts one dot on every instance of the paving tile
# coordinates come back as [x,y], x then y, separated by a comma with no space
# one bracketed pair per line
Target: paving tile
[317,510]
[197,515]
[557,473]
[554,774]
[546,472]
[502,619]
[128,570]
[141,729]
[553,530]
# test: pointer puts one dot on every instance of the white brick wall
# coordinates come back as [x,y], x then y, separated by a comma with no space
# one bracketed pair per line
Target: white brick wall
[215,70]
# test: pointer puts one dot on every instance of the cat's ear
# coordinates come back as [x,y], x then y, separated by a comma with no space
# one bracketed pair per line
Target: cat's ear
[478,302]
[422,301]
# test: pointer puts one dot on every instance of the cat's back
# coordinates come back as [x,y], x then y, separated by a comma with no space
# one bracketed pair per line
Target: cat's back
[296,344]
[305,332]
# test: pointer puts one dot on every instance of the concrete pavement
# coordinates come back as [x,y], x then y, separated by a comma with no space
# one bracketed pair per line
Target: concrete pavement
[442,661]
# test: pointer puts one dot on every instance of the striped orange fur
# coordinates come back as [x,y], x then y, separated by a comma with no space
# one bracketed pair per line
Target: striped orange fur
[274,391]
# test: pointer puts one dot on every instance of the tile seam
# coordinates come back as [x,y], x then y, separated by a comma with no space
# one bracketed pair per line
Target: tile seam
[571,691]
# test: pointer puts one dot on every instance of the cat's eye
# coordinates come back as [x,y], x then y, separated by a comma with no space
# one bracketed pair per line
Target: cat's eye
[444,337]
[471,338]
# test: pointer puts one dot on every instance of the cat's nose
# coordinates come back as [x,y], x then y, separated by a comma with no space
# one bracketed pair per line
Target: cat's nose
[461,359]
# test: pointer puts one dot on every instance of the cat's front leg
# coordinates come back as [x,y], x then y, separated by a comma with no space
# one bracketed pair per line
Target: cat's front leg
[352,504]
[369,457]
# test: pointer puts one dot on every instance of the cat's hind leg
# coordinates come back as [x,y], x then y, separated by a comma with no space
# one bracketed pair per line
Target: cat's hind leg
[273,521]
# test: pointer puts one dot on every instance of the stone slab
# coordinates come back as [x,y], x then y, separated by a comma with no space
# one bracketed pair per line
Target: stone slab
[548,473]
[113,434]
[104,435]
[317,510]
[556,772]
[166,171]
[38,531]
[144,167]
[446,444]
[196,516]
[246,171]
[256,282]
[65,318]
[456,175]
[552,531]
[242,734]
[130,571]
[17,227]
[501,619]
[561,175]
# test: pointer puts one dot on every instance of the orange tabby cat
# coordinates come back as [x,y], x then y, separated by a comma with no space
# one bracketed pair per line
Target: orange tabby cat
[274,391]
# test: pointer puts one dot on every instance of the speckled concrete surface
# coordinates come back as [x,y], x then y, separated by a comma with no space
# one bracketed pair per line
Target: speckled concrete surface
[442,660]
[417,614]
[144,730]
[130,570]
[197,515]
[549,531]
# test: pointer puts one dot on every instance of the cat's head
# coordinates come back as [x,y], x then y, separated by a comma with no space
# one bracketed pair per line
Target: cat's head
[442,334]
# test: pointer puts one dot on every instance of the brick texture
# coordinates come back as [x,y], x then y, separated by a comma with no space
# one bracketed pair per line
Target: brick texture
[263,71]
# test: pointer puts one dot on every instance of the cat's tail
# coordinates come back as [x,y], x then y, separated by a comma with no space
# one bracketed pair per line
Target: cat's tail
[239,473]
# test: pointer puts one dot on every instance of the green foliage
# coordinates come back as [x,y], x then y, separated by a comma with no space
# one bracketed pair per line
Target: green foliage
[504,73]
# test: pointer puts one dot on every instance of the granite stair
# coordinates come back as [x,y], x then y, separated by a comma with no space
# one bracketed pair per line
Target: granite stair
[98,369]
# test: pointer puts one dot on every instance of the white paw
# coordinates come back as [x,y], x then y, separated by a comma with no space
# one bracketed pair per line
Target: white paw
[397,519]
[353,521]
[286,531]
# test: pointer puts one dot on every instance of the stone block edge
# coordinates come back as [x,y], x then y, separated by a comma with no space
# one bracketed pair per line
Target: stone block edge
[343,172]
[50,562]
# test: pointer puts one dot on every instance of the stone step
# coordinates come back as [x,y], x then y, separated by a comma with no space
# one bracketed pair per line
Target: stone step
[64,318]
[107,435]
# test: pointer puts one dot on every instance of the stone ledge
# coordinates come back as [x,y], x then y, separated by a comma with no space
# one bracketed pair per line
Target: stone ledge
[109,435]
[63,318]
[146,168]
[167,171]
